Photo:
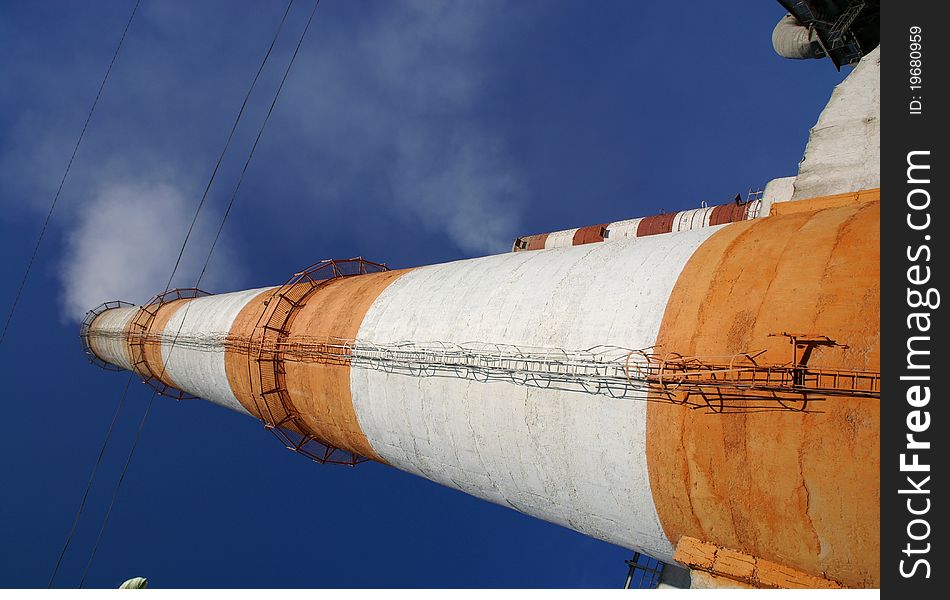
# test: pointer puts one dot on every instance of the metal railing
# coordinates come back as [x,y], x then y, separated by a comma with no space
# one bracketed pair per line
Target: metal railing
[731,383]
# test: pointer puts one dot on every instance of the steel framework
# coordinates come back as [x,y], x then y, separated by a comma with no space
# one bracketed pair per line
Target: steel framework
[84,333]
[139,336]
[733,383]
[274,405]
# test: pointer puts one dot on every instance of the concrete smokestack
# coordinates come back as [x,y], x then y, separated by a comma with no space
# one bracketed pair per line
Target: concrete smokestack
[707,216]
[528,379]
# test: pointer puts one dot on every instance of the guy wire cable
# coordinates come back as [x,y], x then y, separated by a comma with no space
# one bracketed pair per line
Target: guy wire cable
[168,285]
[52,207]
[92,478]
[207,261]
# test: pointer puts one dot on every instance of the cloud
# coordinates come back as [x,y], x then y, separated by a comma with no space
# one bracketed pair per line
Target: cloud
[385,106]
[405,90]
[124,243]
[467,193]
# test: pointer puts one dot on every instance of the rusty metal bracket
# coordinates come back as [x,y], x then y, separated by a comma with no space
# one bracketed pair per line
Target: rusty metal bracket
[807,342]
[740,383]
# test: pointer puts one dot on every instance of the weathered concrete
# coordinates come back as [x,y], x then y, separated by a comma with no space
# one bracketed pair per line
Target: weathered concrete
[685,220]
[844,148]
[620,230]
[321,392]
[714,567]
[795,491]
[777,190]
[112,345]
[560,239]
[692,219]
[842,155]
[201,371]
[801,489]
[566,457]
[153,342]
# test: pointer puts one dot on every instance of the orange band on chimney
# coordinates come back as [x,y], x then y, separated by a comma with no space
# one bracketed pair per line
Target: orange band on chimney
[589,234]
[238,358]
[152,344]
[778,485]
[319,390]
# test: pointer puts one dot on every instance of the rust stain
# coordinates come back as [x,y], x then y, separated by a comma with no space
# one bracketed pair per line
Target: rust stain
[589,234]
[801,490]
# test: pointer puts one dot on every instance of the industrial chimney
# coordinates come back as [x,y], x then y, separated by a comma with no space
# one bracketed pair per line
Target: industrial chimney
[717,385]
[704,388]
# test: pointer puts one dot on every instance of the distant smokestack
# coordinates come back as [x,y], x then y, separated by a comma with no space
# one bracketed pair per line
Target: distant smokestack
[685,220]
[618,389]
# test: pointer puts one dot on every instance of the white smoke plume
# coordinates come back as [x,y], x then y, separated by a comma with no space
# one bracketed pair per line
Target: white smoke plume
[407,86]
[384,105]
[124,244]
[469,193]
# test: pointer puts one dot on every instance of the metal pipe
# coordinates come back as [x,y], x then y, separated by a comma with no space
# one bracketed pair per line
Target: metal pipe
[791,39]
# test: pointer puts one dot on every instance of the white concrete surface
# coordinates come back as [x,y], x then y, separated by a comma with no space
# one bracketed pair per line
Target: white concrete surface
[621,230]
[777,190]
[691,219]
[754,210]
[200,371]
[844,149]
[107,337]
[560,239]
[567,457]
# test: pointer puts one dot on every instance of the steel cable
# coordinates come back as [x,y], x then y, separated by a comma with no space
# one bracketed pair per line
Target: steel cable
[52,207]
[92,478]
[206,263]
[201,203]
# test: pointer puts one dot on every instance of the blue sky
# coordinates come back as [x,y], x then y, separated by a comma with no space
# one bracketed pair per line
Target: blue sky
[408,133]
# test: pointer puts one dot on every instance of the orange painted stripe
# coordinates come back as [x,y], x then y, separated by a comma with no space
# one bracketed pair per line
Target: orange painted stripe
[720,215]
[729,568]
[798,489]
[728,213]
[320,392]
[153,349]
[837,200]
[589,234]
[656,224]
[239,366]
[537,241]
[531,242]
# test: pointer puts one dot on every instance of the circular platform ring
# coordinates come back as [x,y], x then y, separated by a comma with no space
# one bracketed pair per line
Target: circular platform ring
[273,328]
[84,333]
[140,331]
